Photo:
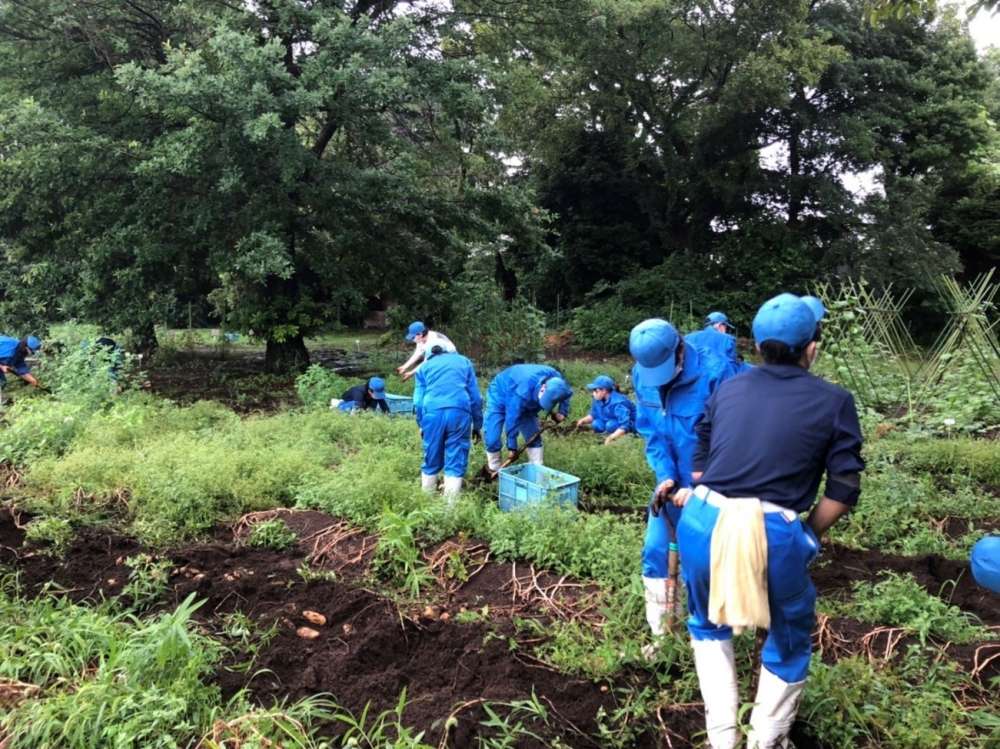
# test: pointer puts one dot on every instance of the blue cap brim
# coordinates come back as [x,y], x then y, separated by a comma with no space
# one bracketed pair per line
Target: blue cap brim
[411,337]
[594,386]
[659,375]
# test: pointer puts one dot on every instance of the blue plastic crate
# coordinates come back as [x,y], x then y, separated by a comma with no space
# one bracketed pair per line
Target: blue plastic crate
[399,405]
[526,484]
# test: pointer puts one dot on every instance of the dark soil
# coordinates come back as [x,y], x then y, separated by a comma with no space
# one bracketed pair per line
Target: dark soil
[238,379]
[839,568]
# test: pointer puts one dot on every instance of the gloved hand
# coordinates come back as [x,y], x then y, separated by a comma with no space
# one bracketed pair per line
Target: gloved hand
[661,495]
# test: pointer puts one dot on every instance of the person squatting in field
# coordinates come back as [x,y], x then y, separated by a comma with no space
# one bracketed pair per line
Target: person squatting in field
[611,412]
[715,337]
[764,443]
[425,340]
[13,358]
[672,381]
[364,397]
[449,410]
[514,399]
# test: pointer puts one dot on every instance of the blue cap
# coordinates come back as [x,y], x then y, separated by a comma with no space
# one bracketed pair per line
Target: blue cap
[603,382]
[377,386]
[34,343]
[714,318]
[985,562]
[556,391]
[784,318]
[415,329]
[816,305]
[653,344]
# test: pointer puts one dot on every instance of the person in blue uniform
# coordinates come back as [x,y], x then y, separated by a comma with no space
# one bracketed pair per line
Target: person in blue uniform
[367,396]
[766,437]
[612,413]
[716,339]
[13,358]
[515,398]
[672,382]
[449,409]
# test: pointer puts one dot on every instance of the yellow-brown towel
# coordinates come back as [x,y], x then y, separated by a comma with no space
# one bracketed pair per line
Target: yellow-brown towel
[737,594]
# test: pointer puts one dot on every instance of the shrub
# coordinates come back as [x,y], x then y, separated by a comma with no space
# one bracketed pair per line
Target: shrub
[272,534]
[494,331]
[604,326]
[317,385]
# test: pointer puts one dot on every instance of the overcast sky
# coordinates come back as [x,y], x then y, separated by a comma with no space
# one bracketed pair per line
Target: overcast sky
[985,29]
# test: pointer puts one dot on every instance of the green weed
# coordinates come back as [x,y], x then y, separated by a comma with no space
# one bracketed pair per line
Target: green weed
[55,534]
[148,580]
[272,534]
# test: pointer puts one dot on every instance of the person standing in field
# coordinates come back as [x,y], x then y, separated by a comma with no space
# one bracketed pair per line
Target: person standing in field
[716,338]
[425,340]
[672,383]
[612,413]
[515,398]
[449,410]
[13,358]
[764,443]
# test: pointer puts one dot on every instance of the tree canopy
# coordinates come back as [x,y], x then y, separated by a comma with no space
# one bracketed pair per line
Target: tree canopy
[294,161]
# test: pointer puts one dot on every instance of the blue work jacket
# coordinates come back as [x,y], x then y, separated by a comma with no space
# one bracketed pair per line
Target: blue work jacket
[615,412]
[720,345]
[515,390]
[9,357]
[666,415]
[448,381]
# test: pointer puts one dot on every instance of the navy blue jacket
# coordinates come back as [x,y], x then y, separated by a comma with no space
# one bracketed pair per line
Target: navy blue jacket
[772,432]
[359,394]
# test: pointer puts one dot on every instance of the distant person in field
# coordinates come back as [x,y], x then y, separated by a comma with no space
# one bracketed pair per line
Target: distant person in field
[367,396]
[716,339]
[14,353]
[985,563]
[449,410]
[764,443]
[515,398]
[109,349]
[612,413]
[425,340]
[672,381]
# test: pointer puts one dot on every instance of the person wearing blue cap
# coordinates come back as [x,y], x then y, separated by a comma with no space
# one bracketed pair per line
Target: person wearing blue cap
[364,397]
[514,399]
[611,413]
[985,563]
[716,340]
[425,341]
[764,443]
[672,382]
[449,410]
[13,357]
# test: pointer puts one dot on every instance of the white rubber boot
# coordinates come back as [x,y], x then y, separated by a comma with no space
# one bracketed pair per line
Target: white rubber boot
[535,455]
[716,666]
[656,603]
[452,487]
[774,711]
[428,482]
[493,461]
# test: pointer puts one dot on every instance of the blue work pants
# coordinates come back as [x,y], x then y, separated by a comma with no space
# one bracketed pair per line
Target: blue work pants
[791,547]
[447,434]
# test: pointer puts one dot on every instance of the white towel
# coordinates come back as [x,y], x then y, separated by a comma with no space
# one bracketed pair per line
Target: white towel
[738,589]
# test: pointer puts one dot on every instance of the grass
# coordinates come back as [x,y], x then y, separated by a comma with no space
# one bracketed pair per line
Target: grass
[169,474]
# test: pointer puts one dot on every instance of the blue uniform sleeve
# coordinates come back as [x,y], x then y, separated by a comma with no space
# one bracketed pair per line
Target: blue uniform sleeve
[418,393]
[657,445]
[21,368]
[703,429]
[475,400]
[844,463]
[621,417]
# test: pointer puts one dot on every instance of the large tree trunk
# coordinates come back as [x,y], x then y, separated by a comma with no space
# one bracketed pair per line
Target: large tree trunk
[289,355]
[144,338]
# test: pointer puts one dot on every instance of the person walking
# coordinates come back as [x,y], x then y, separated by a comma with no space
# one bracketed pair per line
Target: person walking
[764,443]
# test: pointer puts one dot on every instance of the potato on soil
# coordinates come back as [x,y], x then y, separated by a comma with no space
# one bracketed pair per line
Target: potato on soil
[307,633]
[314,617]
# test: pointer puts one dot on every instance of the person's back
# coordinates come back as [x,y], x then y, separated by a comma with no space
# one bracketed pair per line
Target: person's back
[790,412]
[446,380]
[522,381]
[8,348]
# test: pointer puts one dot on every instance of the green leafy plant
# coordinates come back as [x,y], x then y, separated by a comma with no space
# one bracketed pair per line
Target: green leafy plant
[148,580]
[54,533]
[272,534]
